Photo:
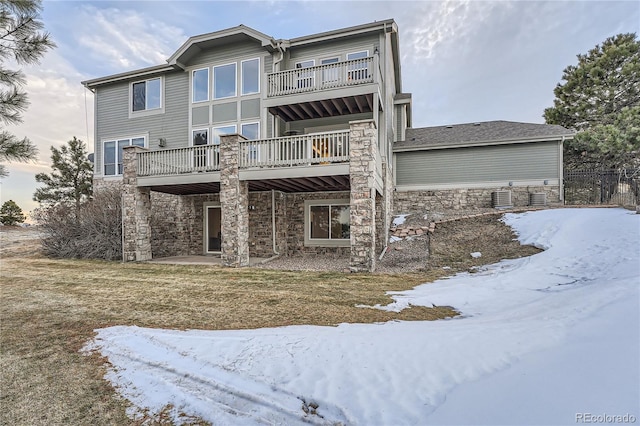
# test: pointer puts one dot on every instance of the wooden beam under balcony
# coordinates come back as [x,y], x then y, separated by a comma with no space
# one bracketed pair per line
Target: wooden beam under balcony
[330,107]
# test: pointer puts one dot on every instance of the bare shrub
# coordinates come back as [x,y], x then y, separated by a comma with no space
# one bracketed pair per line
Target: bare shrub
[93,231]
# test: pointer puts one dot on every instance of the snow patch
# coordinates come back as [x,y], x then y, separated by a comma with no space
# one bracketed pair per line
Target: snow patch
[524,323]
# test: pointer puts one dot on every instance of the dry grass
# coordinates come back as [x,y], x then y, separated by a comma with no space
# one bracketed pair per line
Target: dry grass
[50,308]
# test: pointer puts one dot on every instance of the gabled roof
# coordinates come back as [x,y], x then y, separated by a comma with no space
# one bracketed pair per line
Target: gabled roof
[484,133]
[195,44]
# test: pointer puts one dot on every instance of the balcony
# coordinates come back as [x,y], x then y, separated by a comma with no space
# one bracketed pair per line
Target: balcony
[295,162]
[322,77]
[328,90]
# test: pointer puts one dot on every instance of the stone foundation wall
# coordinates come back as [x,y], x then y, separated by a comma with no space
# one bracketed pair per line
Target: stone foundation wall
[295,224]
[449,201]
[193,209]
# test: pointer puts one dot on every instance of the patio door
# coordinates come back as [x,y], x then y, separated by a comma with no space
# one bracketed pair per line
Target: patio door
[213,229]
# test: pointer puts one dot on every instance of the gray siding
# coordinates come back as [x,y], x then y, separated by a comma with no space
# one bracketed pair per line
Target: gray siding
[478,164]
[112,106]
[250,108]
[200,116]
[228,53]
[225,112]
[331,49]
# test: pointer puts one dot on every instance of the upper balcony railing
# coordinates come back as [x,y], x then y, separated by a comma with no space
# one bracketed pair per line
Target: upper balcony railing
[302,150]
[321,77]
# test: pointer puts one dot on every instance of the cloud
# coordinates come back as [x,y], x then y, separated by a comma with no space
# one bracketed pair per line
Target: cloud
[125,39]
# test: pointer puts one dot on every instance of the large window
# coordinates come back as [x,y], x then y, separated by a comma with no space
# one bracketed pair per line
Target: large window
[222,130]
[251,131]
[327,222]
[224,81]
[200,82]
[251,76]
[146,95]
[112,155]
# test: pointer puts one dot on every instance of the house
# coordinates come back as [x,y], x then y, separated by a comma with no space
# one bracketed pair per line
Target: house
[464,165]
[242,144]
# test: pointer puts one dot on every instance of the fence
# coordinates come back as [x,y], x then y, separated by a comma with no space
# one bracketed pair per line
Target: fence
[621,187]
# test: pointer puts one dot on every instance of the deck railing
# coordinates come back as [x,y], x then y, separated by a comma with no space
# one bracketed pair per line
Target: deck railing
[313,148]
[321,77]
[309,149]
[202,158]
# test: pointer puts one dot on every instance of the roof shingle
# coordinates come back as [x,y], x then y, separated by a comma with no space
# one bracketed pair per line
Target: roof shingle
[479,133]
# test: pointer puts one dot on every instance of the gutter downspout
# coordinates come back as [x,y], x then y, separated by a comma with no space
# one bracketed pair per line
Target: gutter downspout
[276,63]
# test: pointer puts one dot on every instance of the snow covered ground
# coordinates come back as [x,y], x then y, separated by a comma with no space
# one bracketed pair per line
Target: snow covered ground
[549,339]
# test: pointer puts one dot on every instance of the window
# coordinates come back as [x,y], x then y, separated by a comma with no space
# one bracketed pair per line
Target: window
[305,78]
[113,151]
[200,138]
[330,74]
[222,130]
[251,131]
[327,222]
[200,84]
[359,69]
[224,81]
[146,95]
[250,76]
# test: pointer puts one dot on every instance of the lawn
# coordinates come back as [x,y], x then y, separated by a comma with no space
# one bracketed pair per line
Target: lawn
[50,308]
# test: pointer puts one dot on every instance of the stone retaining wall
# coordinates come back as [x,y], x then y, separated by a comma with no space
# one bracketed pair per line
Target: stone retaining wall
[449,201]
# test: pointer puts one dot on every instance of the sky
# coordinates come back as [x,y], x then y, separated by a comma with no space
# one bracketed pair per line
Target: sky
[463,61]
[549,339]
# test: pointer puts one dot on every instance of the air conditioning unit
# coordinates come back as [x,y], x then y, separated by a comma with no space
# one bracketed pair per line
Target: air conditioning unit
[538,199]
[501,199]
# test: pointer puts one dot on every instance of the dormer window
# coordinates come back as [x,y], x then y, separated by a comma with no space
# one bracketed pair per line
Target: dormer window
[146,95]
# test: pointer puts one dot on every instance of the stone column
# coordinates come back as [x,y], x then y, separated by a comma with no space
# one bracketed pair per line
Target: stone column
[136,210]
[234,196]
[362,153]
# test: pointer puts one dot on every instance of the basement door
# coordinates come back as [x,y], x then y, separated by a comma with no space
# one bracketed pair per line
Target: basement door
[212,226]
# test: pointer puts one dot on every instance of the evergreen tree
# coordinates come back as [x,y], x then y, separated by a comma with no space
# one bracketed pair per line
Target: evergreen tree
[21,41]
[11,214]
[71,179]
[600,98]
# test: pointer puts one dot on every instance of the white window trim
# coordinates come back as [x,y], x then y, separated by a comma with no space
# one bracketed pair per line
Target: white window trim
[213,80]
[193,88]
[146,112]
[145,137]
[358,51]
[253,147]
[246,123]
[213,128]
[242,75]
[199,129]
[320,242]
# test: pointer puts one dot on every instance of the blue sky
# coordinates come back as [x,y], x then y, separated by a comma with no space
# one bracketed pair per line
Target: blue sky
[463,61]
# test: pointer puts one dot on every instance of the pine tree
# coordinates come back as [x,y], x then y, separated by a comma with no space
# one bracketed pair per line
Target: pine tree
[70,182]
[22,41]
[600,98]
[11,214]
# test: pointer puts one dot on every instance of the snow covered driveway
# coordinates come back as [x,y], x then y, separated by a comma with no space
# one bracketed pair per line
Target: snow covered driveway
[541,340]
